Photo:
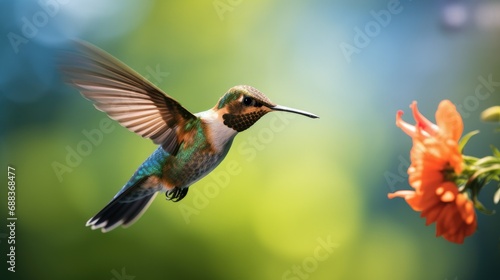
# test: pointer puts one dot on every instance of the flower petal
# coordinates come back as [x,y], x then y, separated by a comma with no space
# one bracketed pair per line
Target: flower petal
[449,121]
[403,194]
[436,160]
[406,127]
[423,122]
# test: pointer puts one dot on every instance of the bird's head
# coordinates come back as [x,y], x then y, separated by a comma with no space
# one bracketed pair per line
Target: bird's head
[242,106]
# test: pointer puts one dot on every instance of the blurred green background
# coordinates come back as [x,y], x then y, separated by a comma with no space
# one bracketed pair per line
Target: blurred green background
[295,198]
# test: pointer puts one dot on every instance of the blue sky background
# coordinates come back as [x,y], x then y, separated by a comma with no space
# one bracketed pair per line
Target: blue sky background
[294,184]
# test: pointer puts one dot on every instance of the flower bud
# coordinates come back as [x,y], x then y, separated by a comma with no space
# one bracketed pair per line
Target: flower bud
[491,114]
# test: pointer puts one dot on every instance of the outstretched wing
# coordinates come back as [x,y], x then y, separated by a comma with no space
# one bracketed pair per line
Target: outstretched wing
[124,95]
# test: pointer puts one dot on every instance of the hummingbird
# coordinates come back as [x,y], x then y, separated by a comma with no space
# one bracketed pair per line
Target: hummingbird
[190,145]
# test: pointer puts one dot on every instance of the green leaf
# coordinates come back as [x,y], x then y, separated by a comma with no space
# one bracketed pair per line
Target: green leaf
[496,152]
[496,197]
[493,177]
[491,114]
[492,169]
[465,139]
[480,207]
[475,186]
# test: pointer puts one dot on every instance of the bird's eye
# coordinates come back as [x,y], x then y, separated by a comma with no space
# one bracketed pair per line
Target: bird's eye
[247,101]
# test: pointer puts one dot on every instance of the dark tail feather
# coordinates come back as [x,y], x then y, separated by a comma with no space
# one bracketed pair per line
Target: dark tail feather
[121,212]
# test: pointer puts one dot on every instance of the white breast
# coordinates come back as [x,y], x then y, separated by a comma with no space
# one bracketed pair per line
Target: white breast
[219,134]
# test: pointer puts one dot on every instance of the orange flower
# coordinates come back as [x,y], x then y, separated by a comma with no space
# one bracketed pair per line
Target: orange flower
[435,151]
[435,162]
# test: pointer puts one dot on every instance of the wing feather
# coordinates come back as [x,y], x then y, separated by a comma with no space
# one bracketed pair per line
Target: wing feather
[124,95]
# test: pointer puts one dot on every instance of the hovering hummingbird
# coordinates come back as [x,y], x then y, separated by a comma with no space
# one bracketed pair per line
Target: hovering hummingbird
[190,145]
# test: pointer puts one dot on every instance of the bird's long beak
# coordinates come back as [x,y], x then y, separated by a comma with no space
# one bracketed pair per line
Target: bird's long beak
[291,110]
